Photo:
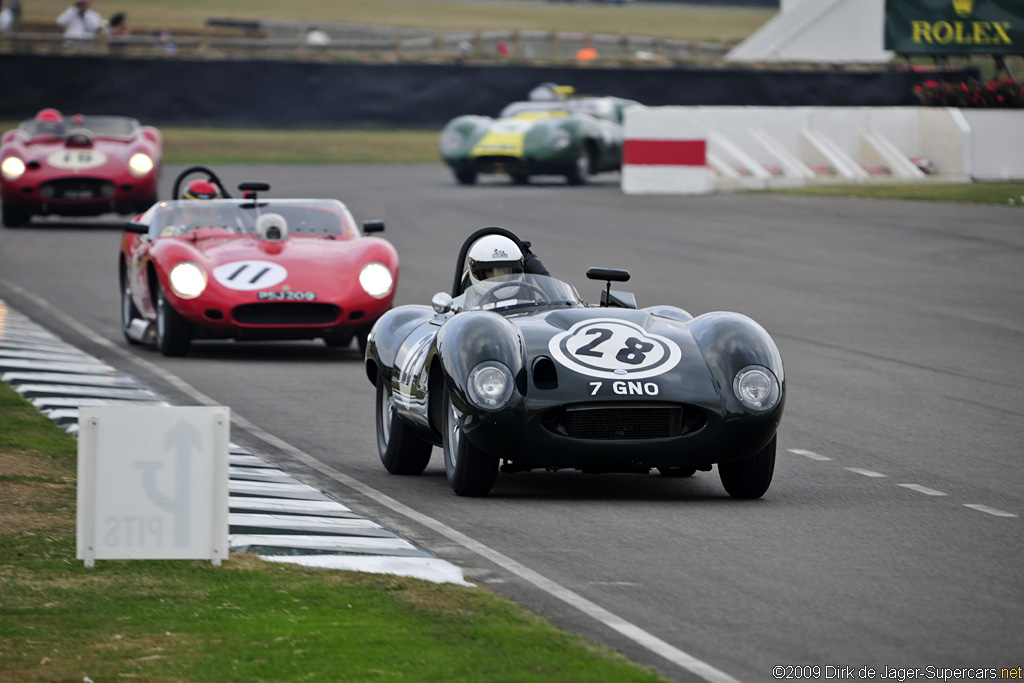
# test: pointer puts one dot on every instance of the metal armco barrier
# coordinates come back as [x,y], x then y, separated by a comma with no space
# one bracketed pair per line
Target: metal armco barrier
[292,94]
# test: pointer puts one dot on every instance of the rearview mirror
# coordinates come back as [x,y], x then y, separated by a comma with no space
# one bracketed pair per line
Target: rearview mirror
[442,302]
[610,274]
[136,228]
[373,226]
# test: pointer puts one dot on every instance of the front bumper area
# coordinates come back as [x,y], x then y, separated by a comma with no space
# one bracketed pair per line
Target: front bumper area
[655,435]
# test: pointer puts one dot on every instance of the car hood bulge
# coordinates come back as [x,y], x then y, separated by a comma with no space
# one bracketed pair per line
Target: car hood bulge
[247,264]
[601,352]
[507,137]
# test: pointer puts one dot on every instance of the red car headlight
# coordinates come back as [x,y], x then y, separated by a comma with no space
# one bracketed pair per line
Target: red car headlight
[376,279]
[140,164]
[12,168]
[188,280]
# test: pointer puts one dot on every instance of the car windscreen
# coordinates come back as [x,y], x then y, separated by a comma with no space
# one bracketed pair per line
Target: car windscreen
[310,218]
[99,126]
[601,107]
[506,292]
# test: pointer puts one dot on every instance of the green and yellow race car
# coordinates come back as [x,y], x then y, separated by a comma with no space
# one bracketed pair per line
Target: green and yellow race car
[555,132]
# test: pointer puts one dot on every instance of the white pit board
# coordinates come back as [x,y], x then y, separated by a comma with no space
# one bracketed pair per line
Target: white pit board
[153,483]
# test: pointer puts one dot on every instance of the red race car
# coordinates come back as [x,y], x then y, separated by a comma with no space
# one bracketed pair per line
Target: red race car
[207,266]
[81,166]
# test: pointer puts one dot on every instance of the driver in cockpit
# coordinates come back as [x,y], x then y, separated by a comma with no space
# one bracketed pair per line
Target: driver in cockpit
[494,255]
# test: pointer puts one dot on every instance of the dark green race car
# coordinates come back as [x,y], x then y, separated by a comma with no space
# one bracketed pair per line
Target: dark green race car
[555,132]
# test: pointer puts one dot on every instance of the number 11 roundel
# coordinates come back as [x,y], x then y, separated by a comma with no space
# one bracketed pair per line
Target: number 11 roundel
[614,349]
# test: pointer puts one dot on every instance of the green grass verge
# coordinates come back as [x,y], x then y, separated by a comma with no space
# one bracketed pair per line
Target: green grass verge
[227,145]
[977,193]
[696,22]
[245,621]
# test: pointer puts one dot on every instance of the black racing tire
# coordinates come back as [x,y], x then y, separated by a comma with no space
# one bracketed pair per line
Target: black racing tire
[465,176]
[470,471]
[338,341]
[173,332]
[669,471]
[129,311]
[362,340]
[749,478]
[401,451]
[581,168]
[14,218]
[520,178]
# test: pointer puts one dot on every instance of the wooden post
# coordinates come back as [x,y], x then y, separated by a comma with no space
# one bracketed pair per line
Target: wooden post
[438,46]
[554,45]
[517,43]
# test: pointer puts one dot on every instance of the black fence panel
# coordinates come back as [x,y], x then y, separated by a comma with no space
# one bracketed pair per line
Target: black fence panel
[281,94]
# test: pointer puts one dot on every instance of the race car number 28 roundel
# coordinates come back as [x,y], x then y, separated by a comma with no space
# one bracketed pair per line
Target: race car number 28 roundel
[614,349]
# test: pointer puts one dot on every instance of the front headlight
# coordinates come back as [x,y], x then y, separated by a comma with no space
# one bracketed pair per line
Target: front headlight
[188,280]
[376,279]
[451,140]
[756,387]
[12,168]
[140,164]
[560,138]
[490,385]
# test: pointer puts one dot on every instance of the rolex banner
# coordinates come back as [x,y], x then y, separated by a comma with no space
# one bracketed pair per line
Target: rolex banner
[950,27]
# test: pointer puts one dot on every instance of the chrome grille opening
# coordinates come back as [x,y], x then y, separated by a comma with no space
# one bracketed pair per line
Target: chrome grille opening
[77,188]
[286,313]
[615,422]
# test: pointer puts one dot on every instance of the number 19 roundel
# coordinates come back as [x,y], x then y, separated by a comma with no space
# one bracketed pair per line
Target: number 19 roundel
[614,349]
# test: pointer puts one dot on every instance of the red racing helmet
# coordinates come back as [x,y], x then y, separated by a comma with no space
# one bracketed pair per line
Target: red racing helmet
[201,189]
[49,122]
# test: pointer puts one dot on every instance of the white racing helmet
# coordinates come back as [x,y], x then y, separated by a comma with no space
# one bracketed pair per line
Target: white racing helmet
[272,227]
[493,255]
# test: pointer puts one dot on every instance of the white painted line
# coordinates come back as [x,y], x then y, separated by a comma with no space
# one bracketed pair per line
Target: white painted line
[989,511]
[348,544]
[301,524]
[866,473]
[628,630]
[313,507]
[923,489]
[809,454]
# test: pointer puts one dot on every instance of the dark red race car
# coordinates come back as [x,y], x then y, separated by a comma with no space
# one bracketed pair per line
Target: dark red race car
[251,268]
[78,166]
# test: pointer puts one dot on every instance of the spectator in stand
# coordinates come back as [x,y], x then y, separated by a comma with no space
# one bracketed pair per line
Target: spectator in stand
[9,15]
[118,24]
[79,21]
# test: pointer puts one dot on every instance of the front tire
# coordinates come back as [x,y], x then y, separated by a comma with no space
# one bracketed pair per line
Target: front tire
[465,176]
[173,332]
[470,471]
[14,218]
[749,478]
[128,310]
[581,169]
[338,341]
[401,451]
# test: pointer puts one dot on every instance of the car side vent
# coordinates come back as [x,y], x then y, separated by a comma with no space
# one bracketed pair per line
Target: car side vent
[545,376]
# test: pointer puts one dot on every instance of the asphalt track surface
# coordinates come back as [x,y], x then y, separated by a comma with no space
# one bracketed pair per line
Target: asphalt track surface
[892,536]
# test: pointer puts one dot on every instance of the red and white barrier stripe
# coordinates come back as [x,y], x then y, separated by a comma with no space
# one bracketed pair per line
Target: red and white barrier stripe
[660,156]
